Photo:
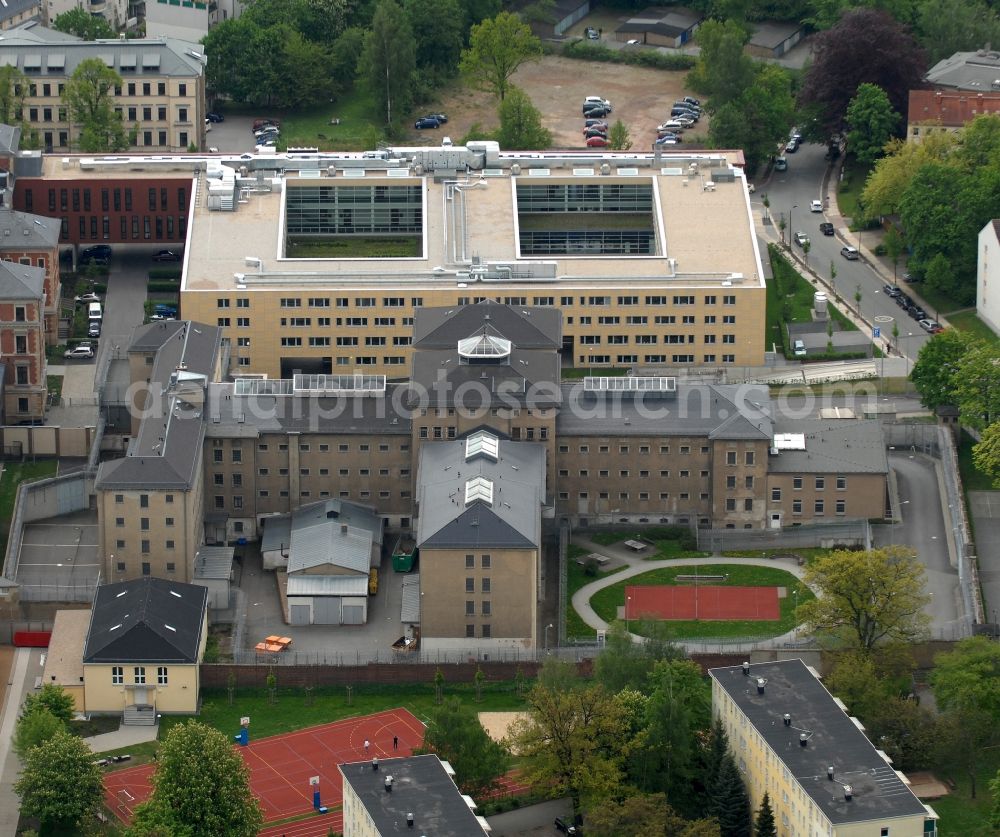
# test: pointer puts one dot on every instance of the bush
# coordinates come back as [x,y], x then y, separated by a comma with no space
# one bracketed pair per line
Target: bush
[880,250]
[589,51]
[590,567]
[164,273]
[162,287]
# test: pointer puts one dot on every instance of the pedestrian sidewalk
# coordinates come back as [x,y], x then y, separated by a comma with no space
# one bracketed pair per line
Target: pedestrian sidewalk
[123,737]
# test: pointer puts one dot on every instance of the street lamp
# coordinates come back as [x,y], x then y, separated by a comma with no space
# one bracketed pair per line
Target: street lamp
[547,637]
[627,600]
[901,504]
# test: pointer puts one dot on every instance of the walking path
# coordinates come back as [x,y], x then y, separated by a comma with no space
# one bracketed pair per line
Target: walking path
[637,566]
[122,737]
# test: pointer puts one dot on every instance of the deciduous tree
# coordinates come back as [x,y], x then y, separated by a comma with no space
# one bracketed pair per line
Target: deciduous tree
[888,181]
[645,815]
[619,138]
[934,372]
[52,698]
[866,45]
[871,123]
[34,728]
[438,31]
[78,21]
[521,123]
[977,386]
[455,734]
[866,598]
[623,663]
[986,453]
[723,69]
[388,60]
[60,784]
[949,26]
[89,95]
[201,787]
[497,47]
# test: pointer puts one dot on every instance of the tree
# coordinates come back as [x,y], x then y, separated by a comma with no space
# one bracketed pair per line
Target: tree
[89,95]
[78,21]
[571,743]
[764,826]
[995,810]
[978,143]
[949,26]
[723,69]
[730,802]
[60,783]
[645,815]
[388,60]
[867,45]
[521,123]
[619,139]
[497,47]
[986,453]
[438,32]
[894,247]
[866,598]
[455,734]
[626,664]
[52,698]
[35,728]
[237,49]
[14,87]
[892,174]
[299,72]
[871,123]
[977,386]
[934,372]
[201,787]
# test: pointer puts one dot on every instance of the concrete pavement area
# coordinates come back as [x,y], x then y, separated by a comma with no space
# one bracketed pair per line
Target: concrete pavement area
[122,737]
[531,820]
[27,666]
[984,509]
[59,554]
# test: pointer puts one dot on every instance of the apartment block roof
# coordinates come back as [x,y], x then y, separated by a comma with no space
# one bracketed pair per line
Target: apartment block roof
[475,500]
[832,739]
[420,786]
[146,620]
[715,411]
[24,231]
[21,282]
[166,452]
[38,51]
[842,446]
[977,71]
[950,108]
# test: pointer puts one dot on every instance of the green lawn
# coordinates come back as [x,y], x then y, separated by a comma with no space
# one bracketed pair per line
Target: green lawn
[667,542]
[850,187]
[937,302]
[54,383]
[360,247]
[968,321]
[575,579]
[962,816]
[14,473]
[972,478]
[607,601]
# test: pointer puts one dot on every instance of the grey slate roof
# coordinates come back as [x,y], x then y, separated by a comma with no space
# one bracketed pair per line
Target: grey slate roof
[253,415]
[842,446]
[977,71]
[319,539]
[166,453]
[513,519]
[771,34]
[146,620]
[529,327]
[22,230]
[420,786]
[715,411]
[21,282]
[175,57]
[878,793]
[213,562]
[13,8]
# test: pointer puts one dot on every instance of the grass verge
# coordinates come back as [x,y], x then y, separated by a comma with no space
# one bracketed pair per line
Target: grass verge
[961,815]
[852,183]
[970,322]
[15,473]
[576,577]
[607,601]
[972,478]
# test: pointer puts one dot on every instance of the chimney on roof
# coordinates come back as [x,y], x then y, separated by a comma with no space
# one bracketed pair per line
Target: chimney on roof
[375,763]
[760,685]
[388,784]
[803,739]
[848,792]
[829,773]
[409,820]
[788,720]
[746,669]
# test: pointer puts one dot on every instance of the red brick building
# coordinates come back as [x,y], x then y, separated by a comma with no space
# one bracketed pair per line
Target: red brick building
[34,240]
[22,341]
[946,110]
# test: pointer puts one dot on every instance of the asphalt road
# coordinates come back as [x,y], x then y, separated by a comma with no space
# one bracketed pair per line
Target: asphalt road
[922,526]
[791,192]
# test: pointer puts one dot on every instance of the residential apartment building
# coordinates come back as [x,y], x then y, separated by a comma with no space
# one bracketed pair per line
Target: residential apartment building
[15,12]
[22,342]
[162,94]
[793,740]
[28,239]
[188,20]
[652,259]
[946,110]
[988,275]
[414,795]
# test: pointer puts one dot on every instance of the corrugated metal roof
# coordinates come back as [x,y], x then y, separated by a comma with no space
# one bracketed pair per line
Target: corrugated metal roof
[335,533]
[214,562]
[327,585]
[409,611]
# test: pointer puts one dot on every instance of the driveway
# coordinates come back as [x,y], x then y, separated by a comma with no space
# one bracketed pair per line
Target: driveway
[984,509]
[232,135]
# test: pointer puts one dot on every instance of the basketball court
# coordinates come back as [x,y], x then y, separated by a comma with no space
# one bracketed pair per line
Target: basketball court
[281,768]
[705,601]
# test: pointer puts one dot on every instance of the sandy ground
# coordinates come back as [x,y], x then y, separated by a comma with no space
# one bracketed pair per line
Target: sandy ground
[641,98]
[498,724]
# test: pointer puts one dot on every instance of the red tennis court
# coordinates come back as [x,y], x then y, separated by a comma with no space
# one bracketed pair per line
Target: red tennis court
[708,602]
[281,766]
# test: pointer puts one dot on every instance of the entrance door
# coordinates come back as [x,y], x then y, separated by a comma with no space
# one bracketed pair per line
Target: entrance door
[775,520]
[140,696]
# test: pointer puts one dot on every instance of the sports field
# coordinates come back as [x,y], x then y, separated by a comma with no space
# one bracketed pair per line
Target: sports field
[281,766]
[706,602]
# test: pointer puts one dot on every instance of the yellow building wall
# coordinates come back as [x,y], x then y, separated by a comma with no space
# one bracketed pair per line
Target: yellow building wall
[179,695]
[357,823]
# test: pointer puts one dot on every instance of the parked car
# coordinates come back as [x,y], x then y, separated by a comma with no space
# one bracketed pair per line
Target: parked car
[566,826]
[212,116]
[440,117]
[826,228]
[597,142]
[82,351]
[891,290]
[911,278]
[674,125]
[596,100]
[84,299]
[816,206]
[590,123]
[163,308]
[166,256]
[667,139]
[94,329]
[791,147]
[264,122]
[595,132]
[425,122]
[691,100]
[799,348]
[781,164]
[850,253]
[158,317]
[801,239]
[930,326]
[684,103]
[592,34]
[633,42]
[916,312]
[596,112]
[98,253]
[903,301]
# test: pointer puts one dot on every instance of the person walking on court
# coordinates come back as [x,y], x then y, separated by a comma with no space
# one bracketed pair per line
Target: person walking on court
[366,746]
[395,742]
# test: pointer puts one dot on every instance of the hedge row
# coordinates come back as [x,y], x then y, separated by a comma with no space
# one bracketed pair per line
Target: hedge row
[164,273]
[590,51]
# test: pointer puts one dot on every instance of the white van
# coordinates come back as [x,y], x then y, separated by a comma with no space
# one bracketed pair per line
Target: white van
[799,348]
[94,311]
